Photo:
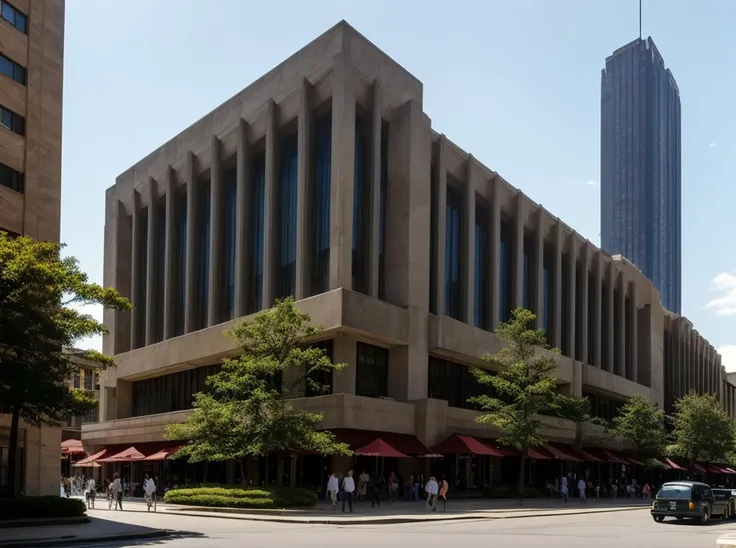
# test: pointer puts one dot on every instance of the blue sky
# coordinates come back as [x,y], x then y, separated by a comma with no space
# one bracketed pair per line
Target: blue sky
[515,83]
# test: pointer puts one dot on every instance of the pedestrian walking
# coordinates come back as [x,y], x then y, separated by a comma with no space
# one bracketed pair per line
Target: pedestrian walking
[332,488]
[582,489]
[117,491]
[444,487]
[348,490]
[432,489]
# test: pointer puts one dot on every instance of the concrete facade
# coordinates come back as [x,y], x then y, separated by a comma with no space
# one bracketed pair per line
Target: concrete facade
[433,288]
[32,49]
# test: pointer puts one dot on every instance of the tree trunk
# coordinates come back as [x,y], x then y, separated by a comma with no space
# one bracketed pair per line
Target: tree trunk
[521,478]
[13,453]
[241,463]
[265,475]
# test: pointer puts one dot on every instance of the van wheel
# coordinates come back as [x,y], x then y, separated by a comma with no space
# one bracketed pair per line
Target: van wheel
[705,517]
[658,519]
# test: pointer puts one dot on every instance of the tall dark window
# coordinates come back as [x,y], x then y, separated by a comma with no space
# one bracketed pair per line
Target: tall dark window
[432,240]
[13,70]
[528,281]
[361,208]
[321,204]
[453,253]
[286,285]
[139,337]
[255,278]
[181,260]
[566,305]
[382,215]
[321,377]
[371,376]
[482,261]
[231,186]
[605,325]
[505,276]
[547,282]
[204,254]
[172,392]
[592,335]
[12,121]
[159,275]
[12,179]
[616,332]
[454,383]
[14,16]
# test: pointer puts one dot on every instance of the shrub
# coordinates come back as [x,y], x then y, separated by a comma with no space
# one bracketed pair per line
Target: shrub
[234,496]
[40,507]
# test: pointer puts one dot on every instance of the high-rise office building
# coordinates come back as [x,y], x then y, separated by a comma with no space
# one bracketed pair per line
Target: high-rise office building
[640,166]
[31,80]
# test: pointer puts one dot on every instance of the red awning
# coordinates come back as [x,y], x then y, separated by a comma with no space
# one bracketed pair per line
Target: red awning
[379,448]
[561,454]
[72,447]
[672,464]
[130,454]
[699,468]
[727,470]
[611,457]
[465,445]
[91,459]
[163,454]
[537,455]
[634,461]
[589,457]
[405,443]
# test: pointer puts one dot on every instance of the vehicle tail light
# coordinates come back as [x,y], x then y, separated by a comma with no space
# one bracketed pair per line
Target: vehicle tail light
[691,506]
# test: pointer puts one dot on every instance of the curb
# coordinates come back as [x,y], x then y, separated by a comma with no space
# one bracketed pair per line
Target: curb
[43,522]
[64,541]
[395,520]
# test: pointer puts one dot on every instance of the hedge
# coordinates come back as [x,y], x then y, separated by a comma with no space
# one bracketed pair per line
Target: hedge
[40,507]
[234,496]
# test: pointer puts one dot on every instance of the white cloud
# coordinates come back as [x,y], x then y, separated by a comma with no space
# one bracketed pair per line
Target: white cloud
[712,144]
[728,356]
[590,183]
[725,285]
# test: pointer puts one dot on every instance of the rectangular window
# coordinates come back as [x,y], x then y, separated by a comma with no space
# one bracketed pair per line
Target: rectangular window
[453,253]
[77,380]
[361,208]
[204,254]
[592,335]
[286,285]
[482,263]
[432,239]
[159,275]
[506,253]
[139,337]
[321,205]
[547,282]
[14,16]
[172,392]
[12,179]
[605,326]
[13,70]
[231,186]
[89,380]
[371,376]
[382,215]
[181,260]
[12,121]
[566,306]
[255,278]
[528,287]
[91,415]
[454,383]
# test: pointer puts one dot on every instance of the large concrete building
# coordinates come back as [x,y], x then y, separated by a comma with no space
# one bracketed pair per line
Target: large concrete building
[641,172]
[325,180]
[31,70]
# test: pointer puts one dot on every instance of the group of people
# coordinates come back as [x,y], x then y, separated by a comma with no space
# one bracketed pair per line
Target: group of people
[571,486]
[369,487]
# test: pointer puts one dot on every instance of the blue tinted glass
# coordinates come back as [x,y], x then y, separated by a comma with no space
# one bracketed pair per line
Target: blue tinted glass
[181,261]
[287,218]
[526,298]
[7,119]
[321,207]
[8,13]
[21,22]
[19,74]
[545,296]
[6,66]
[453,304]
[230,205]
[204,257]
[361,208]
[258,182]
[382,215]
[481,277]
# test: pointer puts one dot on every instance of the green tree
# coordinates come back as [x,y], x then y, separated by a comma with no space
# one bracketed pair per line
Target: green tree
[524,388]
[702,430]
[243,413]
[641,422]
[39,295]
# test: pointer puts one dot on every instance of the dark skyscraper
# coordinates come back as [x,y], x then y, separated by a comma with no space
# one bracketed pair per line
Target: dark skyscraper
[640,165]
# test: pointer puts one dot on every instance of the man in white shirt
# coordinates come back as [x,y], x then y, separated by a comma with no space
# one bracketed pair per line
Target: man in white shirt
[348,489]
[432,488]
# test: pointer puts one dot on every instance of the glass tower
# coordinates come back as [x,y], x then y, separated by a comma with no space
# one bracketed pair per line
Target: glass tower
[640,166]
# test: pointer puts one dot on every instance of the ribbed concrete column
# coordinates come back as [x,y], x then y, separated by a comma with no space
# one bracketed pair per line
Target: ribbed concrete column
[440,205]
[538,297]
[214,310]
[518,251]
[138,300]
[153,253]
[303,254]
[343,176]
[242,220]
[611,366]
[624,371]
[634,343]
[585,308]
[597,309]
[469,270]
[556,289]
[572,298]
[269,205]
[495,254]
[169,256]
[376,128]
[190,289]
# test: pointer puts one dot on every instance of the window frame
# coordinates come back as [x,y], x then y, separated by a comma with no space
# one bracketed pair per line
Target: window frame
[16,13]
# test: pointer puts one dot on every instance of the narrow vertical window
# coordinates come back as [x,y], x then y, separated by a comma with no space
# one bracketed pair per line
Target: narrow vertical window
[181,260]
[286,285]
[453,253]
[140,298]
[159,275]
[505,277]
[432,242]
[361,209]
[204,254]
[547,294]
[482,261]
[528,281]
[382,215]
[566,306]
[321,205]
[229,228]
[592,335]
[255,278]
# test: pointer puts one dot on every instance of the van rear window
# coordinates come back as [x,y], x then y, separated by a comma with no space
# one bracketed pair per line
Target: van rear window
[674,492]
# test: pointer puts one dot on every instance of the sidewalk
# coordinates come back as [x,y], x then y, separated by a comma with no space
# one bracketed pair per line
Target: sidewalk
[415,512]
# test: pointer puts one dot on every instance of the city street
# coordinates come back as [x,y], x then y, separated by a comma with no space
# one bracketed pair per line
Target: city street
[634,529]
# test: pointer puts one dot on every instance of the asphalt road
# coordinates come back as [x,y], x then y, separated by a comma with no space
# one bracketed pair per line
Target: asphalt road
[634,529]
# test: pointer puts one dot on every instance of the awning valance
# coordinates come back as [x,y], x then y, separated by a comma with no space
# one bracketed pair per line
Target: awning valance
[379,448]
[130,454]
[561,454]
[89,461]
[163,454]
[465,445]
[672,464]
